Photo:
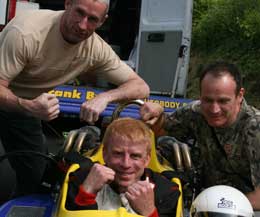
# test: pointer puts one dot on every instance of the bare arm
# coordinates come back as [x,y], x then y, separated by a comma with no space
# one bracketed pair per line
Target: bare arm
[254,198]
[45,106]
[8,100]
[133,88]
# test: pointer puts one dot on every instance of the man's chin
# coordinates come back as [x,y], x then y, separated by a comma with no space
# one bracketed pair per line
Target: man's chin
[120,187]
[123,184]
[217,124]
[75,39]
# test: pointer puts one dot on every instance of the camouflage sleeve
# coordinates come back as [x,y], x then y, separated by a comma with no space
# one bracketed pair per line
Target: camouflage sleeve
[253,138]
[181,123]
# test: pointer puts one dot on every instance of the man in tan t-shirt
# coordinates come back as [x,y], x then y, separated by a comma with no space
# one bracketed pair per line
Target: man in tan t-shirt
[42,49]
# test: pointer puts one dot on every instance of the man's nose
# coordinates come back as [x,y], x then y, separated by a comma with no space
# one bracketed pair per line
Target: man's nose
[83,24]
[215,108]
[126,161]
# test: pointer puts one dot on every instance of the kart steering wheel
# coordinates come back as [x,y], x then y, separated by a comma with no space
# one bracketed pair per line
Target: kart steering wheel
[122,106]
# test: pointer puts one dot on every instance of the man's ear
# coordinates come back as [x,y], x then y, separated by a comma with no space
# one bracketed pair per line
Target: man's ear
[104,154]
[103,20]
[67,3]
[241,94]
[148,159]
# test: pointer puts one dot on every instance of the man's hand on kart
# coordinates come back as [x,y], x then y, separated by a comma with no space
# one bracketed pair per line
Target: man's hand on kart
[151,112]
[46,106]
[98,176]
[91,109]
[141,197]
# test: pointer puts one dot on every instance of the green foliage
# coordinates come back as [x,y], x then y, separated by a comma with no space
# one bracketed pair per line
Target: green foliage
[250,26]
[199,9]
[225,24]
[228,30]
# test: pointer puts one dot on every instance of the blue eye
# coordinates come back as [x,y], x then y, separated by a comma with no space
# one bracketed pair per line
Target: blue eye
[93,19]
[207,100]
[224,101]
[117,153]
[81,13]
[136,156]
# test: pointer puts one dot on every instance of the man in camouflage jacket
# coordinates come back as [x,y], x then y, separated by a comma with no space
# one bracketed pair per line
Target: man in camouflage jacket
[226,130]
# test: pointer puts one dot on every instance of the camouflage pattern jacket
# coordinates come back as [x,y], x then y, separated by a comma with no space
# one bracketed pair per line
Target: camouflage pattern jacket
[229,156]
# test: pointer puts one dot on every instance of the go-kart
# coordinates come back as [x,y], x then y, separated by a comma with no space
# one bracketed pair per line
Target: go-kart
[52,204]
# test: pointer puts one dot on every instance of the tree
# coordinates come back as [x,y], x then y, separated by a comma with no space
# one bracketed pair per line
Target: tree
[228,30]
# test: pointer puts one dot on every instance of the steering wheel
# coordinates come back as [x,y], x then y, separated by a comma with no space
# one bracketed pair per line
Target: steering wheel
[122,106]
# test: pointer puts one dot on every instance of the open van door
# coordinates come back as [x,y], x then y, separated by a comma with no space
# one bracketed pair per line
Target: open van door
[164,45]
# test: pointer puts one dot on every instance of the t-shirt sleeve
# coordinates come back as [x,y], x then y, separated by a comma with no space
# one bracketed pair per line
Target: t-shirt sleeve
[12,54]
[108,65]
[118,72]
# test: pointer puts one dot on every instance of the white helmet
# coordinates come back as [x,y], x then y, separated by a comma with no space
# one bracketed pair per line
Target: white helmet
[221,201]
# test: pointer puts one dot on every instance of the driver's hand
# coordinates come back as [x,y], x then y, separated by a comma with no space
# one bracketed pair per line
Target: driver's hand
[141,197]
[98,176]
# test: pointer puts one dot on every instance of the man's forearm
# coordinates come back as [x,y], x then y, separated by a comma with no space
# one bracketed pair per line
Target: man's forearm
[132,89]
[8,101]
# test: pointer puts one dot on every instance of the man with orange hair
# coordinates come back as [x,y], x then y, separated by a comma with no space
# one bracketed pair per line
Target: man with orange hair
[124,180]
